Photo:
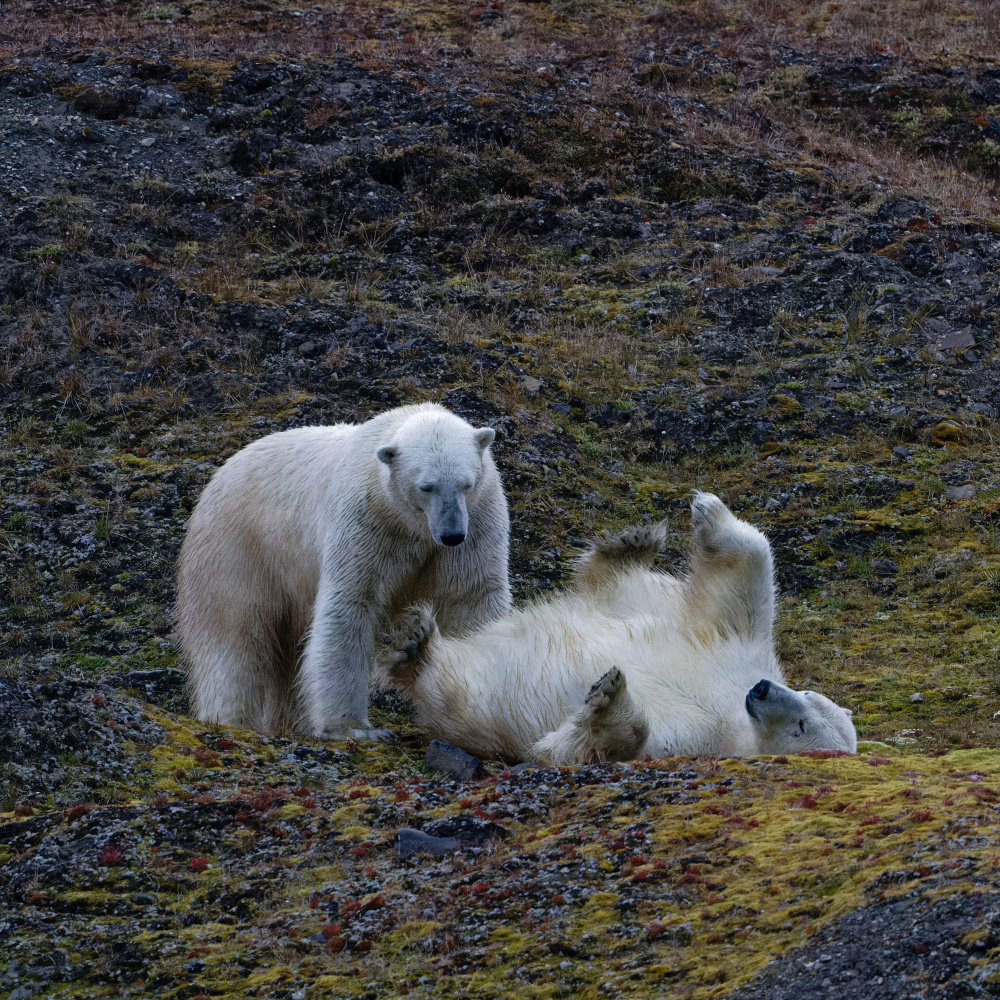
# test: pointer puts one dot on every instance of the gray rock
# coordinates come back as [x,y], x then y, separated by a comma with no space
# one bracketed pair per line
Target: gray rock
[957,340]
[468,829]
[525,766]
[916,697]
[408,842]
[901,451]
[884,567]
[961,492]
[751,275]
[531,385]
[453,761]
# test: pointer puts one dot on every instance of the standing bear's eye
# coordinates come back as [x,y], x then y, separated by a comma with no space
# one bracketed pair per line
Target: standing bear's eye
[802,726]
[427,488]
[464,486]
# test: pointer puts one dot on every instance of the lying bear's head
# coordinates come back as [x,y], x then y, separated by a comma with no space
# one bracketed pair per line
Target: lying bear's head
[789,721]
[435,464]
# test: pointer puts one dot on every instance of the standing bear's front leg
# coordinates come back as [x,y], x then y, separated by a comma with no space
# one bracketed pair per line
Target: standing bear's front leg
[337,664]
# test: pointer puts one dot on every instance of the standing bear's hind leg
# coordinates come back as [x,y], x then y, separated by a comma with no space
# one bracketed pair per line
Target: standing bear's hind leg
[609,726]
[731,577]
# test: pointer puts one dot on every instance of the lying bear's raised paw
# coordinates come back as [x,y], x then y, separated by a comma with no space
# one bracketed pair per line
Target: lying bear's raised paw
[605,688]
[636,542]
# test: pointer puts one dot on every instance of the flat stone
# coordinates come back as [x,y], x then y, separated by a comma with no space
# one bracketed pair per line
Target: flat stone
[467,829]
[957,340]
[408,842]
[453,761]
[749,275]
[902,451]
[961,492]
[916,696]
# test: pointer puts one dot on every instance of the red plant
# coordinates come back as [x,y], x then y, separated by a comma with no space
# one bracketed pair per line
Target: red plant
[76,811]
[198,864]
[112,854]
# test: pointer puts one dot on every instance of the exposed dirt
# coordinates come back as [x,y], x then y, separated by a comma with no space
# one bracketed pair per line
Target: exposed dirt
[753,249]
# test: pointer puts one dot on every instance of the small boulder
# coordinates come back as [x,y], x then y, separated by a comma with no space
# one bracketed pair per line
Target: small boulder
[408,842]
[884,567]
[453,761]
[966,492]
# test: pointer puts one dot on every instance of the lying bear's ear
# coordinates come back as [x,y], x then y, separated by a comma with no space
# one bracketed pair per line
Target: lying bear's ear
[387,454]
[484,437]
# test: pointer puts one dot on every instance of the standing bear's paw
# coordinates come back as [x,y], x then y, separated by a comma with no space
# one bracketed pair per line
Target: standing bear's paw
[353,729]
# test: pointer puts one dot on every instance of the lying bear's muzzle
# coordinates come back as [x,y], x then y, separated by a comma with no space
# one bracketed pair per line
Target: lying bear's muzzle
[757,693]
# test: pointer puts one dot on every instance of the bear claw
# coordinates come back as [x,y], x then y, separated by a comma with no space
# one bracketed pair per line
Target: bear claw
[605,688]
[642,540]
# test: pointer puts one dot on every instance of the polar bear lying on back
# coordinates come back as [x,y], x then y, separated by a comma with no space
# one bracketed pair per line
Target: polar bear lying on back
[628,662]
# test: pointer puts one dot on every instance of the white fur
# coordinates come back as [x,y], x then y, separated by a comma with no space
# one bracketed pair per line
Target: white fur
[690,650]
[310,536]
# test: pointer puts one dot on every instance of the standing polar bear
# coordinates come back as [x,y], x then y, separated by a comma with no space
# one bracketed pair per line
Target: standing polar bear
[309,537]
[628,662]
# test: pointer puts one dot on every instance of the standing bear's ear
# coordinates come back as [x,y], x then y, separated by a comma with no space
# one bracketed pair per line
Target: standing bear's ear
[387,454]
[484,437]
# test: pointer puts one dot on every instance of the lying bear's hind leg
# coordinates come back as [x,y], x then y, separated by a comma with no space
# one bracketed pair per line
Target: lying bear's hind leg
[609,726]
[405,649]
[633,548]
[731,576]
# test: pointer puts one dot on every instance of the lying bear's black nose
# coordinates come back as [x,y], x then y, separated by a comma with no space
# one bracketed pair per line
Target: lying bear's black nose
[452,539]
[760,689]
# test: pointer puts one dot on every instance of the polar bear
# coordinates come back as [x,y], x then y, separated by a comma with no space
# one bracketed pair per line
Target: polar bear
[308,537]
[629,662]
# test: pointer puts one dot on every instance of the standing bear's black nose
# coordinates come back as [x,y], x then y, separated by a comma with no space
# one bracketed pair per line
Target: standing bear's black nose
[760,689]
[452,539]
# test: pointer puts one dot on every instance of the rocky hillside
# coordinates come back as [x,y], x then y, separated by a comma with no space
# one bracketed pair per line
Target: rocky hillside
[752,248]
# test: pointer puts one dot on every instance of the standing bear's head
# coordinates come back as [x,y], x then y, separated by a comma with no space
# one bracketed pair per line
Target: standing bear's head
[435,464]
